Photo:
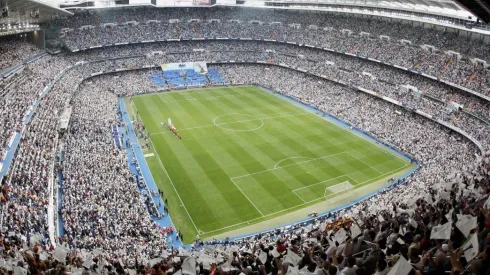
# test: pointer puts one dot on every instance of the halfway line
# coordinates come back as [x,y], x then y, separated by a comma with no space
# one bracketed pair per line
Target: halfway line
[238,121]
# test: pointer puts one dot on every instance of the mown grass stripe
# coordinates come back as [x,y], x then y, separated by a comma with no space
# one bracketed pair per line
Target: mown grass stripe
[202,163]
[239,149]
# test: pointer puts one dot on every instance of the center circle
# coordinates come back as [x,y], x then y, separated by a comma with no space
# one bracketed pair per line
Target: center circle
[238,122]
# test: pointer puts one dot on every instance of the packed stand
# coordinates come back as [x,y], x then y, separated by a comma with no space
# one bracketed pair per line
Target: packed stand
[22,93]
[365,239]
[93,171]
[390,42]
[92,168]
[14,50]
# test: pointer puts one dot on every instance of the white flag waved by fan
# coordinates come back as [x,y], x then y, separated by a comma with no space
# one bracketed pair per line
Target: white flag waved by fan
[487,203]
[292,258]
[449,215]
[263,257]
[355,231]
[189,266]
[341,236]
[441,232]
[402,267]
[275,253]
[471,248]
[60,254]
[413,223]
[292,270]
[466,223]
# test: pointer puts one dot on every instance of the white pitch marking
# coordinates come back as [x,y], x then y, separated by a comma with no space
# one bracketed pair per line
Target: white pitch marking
[233,89]
[288,165]
[372,167]
[247,197]
[175,189]
[238,121]
[233,130]
[369,142]
[275,166]
[304,187]
[299,205]
[299,197]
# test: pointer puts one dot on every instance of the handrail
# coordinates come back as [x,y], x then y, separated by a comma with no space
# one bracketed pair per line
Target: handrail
[14,68]
[146,184]
[51,210]
[477,117]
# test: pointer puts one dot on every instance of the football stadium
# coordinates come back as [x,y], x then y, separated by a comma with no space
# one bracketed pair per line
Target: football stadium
[245,137]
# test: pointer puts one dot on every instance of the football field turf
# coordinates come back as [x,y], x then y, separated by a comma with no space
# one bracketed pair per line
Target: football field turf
[247,155]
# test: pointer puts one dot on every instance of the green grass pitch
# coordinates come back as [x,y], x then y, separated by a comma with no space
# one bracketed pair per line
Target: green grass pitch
[247,155]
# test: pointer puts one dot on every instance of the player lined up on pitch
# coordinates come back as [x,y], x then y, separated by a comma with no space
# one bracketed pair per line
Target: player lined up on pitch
[172,128]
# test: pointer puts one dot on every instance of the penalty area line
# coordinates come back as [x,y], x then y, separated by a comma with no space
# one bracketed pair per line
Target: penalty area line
[275,166]
[370,166]
[308,186]
[267,170]
[247,198]
[300,205]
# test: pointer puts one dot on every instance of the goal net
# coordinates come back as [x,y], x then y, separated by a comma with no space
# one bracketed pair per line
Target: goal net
[339,191]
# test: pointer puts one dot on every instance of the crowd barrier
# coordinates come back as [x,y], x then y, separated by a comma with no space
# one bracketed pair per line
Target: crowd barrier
[15,68]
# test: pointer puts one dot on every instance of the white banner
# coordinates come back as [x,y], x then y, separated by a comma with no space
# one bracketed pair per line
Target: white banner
[199,67]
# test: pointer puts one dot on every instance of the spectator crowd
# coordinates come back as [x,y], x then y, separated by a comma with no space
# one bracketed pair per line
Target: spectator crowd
[387,41]
[18,49]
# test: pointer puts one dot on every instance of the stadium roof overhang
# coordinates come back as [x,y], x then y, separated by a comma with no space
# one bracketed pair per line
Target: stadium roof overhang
[446,13]
[448,8]
[481,8]
[29,12]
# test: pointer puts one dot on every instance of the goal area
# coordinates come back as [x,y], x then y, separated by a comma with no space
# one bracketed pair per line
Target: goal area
[325,191]
[339,191]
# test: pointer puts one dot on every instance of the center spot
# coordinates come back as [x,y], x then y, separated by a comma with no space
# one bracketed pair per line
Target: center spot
[238,122]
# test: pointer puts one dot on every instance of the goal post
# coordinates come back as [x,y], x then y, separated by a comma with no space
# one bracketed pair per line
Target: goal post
[338,191]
